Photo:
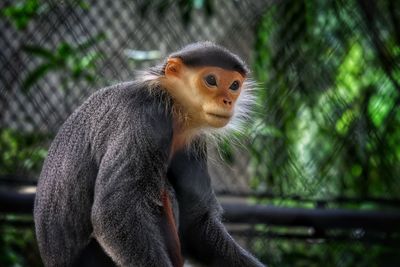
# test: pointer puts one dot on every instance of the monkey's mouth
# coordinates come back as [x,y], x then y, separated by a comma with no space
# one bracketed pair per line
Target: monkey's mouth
[219,116]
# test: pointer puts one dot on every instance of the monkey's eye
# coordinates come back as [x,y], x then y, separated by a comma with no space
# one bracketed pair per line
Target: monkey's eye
[234,86]
[210,80]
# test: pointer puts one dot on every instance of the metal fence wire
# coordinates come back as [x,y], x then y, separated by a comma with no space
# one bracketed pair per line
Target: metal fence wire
[324,134]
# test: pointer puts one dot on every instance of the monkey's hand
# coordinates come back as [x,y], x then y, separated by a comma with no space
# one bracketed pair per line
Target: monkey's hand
[203,236]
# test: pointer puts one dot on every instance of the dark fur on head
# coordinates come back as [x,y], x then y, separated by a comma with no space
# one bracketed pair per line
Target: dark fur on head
[209,54]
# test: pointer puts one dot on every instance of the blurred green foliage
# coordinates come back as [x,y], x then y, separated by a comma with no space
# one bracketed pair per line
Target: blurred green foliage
[329,118]
[74,62]
[328,123]
[18,246]
[22,12]
[21,153]
[307,253]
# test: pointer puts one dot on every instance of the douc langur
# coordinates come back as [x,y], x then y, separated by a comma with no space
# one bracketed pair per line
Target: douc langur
[126,178]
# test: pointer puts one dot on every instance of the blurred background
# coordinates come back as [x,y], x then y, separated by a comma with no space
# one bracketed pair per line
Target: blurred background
[314,180]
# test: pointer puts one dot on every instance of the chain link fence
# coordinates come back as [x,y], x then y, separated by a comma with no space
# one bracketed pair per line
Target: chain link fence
[324,134]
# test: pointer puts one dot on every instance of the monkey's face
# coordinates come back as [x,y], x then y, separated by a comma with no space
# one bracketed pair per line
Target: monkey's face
[218,89]
[207,94]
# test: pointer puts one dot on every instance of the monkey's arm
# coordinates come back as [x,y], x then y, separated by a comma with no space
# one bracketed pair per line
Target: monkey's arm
[203,236]
[126,212]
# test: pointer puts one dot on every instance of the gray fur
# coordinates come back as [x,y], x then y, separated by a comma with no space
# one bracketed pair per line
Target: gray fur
[103,177]
[202,234]
[102,181]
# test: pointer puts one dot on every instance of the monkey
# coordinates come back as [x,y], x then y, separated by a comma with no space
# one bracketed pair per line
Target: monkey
[126,176]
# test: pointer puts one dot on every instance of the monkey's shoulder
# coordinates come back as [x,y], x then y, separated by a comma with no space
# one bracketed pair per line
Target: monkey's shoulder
[116,96]
[119,102]
[129,106]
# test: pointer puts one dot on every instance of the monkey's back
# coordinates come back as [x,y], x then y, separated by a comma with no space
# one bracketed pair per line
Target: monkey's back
[66,185]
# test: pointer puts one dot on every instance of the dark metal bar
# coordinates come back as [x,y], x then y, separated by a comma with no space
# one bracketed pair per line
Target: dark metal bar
[12,179]
[14,202]
[382,201]
[317,218]
[20,180]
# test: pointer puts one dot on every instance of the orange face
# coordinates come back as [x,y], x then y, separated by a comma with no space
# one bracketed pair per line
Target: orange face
[207,94]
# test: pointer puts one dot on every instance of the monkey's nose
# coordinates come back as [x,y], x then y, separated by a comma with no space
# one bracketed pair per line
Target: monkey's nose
[227,102]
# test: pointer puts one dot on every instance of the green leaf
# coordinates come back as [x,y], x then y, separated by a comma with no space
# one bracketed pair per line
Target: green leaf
[22,12]
[88,60]
[89,77]
[36,74]
[64,51]
[84,5]
[39,51]
[356,170]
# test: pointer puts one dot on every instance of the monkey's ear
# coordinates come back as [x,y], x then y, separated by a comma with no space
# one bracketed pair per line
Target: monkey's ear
[173,67]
